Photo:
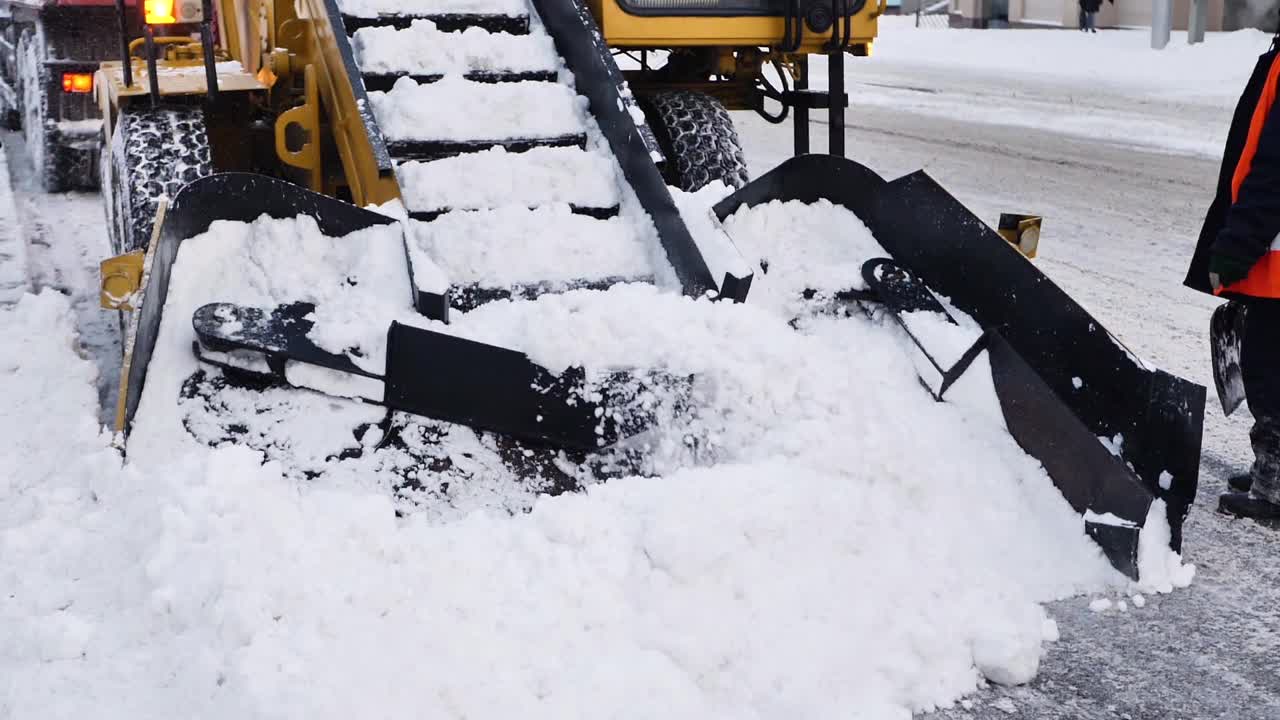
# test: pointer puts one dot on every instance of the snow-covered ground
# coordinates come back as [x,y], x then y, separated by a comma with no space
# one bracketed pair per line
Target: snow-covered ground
[1110,87]
[823,572]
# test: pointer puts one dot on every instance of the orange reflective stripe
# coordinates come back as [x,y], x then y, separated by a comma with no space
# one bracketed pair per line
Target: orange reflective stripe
[1260,112]
[1263,279]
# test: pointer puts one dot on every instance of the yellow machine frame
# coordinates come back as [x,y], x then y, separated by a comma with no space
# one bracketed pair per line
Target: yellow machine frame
[622,29]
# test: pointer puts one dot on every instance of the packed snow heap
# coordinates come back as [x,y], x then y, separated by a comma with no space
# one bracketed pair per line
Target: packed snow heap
[839,543]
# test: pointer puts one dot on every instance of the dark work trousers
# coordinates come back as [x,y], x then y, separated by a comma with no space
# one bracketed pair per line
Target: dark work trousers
[1260,366]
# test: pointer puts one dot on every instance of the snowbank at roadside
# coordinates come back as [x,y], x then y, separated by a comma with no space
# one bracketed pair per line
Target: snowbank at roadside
[1213,72]
[13,243]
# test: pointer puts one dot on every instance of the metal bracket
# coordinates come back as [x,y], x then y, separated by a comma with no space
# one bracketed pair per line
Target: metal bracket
[121,276]
[307,117]
[1021,231]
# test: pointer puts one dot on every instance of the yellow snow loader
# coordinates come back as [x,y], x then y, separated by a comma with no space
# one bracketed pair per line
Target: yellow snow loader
[469,127]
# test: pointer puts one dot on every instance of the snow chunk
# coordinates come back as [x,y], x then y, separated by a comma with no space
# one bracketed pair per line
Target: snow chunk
[332,382]
[454,109]
[1009,652]
[717,249]
[496,177]
[1114,445]
[1077,383]
[422,49]
[1166,480]
[1005,705]
[1100,605]
[1160,569]
[1107,518]
[513,245]
[1139,601]
[1049,630]
[799,247]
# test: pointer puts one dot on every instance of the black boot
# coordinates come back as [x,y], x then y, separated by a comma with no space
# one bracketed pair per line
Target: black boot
[1247,505]
[1241,482]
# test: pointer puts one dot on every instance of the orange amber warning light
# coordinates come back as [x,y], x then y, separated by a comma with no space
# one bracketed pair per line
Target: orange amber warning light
[77,82]
[159,12]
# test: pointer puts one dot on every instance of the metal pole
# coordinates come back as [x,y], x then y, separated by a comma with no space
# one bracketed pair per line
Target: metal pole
[835,103]
[1196,23]
[151,67]
[206,42]
[126,63]
[1161,23]
[801,117]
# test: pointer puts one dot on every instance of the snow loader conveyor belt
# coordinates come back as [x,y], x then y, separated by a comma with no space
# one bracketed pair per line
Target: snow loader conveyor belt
[1063,382]
[531,406]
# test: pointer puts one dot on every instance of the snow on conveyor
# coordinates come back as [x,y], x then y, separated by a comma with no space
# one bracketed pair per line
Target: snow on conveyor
[496,177]
[373,8]
[493,111]
[421,49]
[500,248]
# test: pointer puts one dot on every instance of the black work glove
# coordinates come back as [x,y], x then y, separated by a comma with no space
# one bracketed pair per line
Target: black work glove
[1225,270]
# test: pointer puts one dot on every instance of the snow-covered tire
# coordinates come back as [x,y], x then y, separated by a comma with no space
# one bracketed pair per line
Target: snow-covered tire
[10,104]
[53,163]
[154,153]
[697,135]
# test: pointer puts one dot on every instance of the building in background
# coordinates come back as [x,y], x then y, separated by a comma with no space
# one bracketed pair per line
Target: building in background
[1222,14]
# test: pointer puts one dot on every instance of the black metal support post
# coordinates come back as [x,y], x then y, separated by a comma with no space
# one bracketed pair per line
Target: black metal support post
[801,119]
[151,67]
[836,100]
[125,61]
[206,42]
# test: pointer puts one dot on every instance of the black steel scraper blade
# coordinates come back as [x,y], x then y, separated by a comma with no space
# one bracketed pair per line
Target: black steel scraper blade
[449,378]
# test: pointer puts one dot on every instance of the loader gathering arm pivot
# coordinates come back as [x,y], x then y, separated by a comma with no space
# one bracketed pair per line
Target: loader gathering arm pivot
[899,291]
[430,374]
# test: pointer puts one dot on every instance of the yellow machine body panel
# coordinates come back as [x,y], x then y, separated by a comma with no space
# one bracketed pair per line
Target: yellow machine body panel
[175,79]
[311,40]
[624,29]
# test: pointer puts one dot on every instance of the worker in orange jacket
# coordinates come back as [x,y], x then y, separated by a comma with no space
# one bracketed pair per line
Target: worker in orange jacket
[1238,258]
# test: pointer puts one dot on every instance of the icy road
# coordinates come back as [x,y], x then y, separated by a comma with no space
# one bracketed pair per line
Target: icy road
[1116,148]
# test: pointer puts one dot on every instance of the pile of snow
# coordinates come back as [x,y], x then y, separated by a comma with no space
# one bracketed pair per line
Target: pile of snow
[796,247]
[374,8]
[496,177]
[358,283]
[460,110]
[861,575]
[13,243]
[1160,569]
[717,249]
[1212,72]
[422,49]
[835,541]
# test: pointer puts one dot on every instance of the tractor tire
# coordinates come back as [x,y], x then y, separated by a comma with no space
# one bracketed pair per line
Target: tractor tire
[697,135]
[53,164]
[10,104]
[154,153]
